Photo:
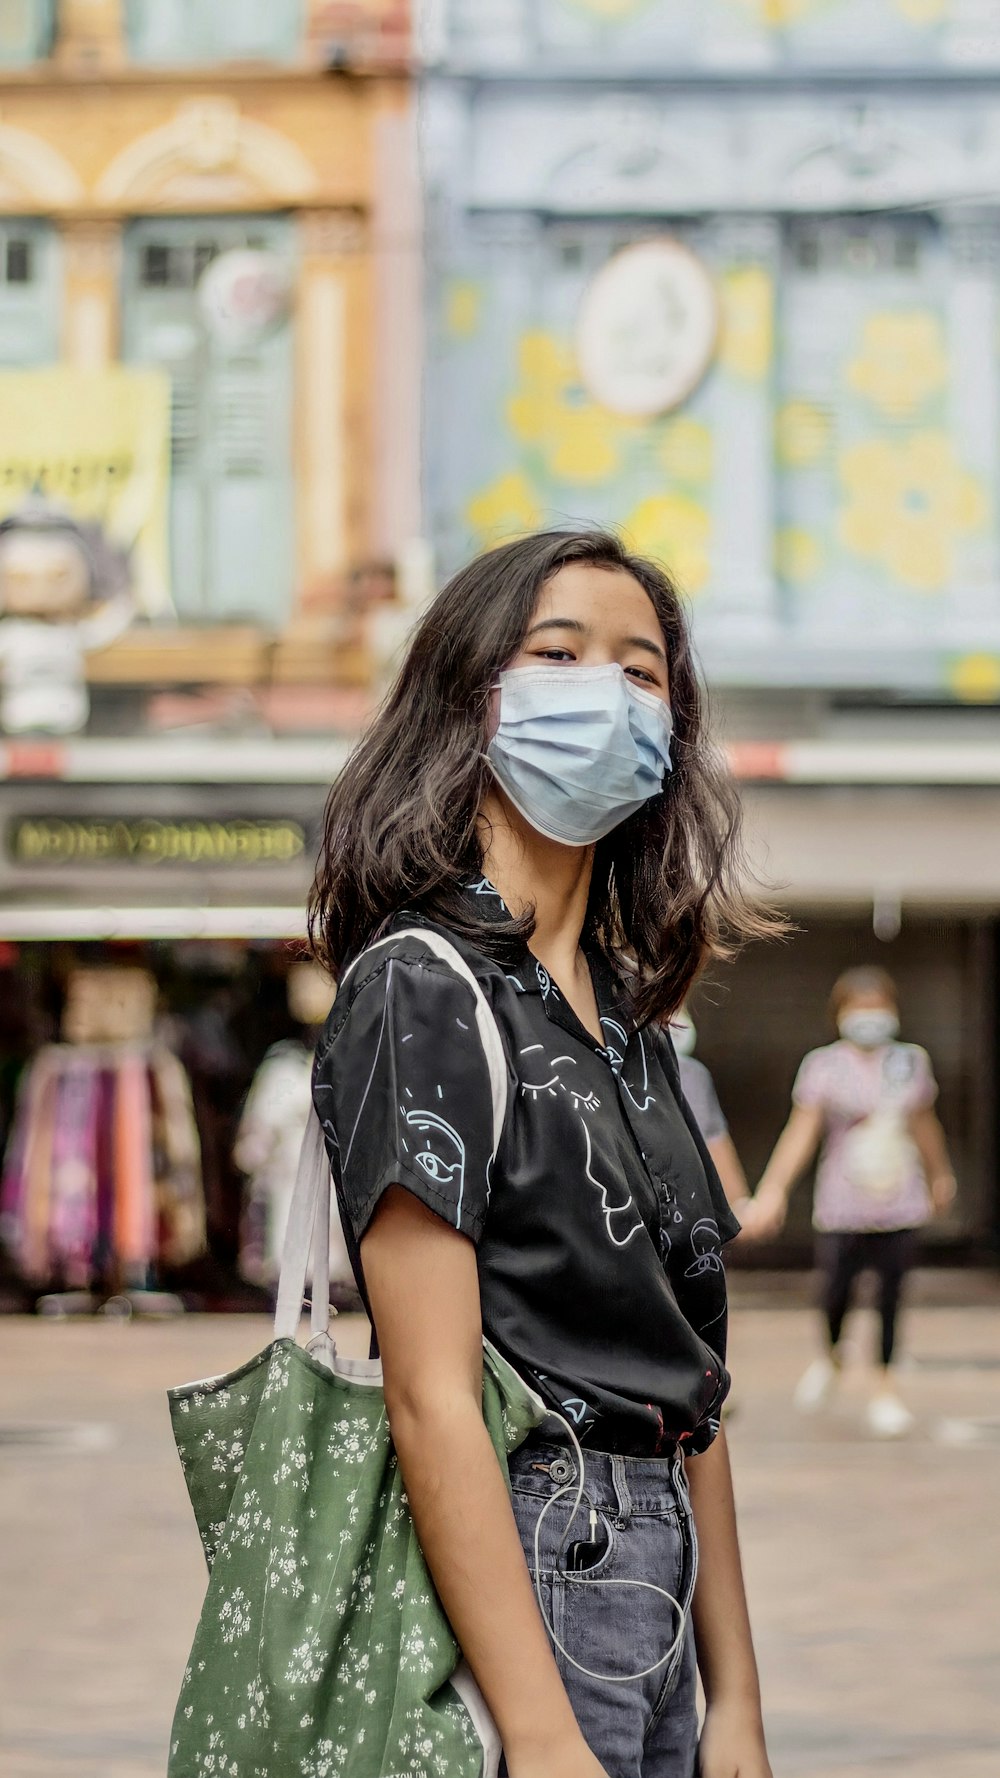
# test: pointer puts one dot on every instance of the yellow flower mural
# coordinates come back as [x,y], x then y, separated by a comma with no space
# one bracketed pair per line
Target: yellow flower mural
[905,504]
[686,451]
[747,339]
[675,530]
[799,555]
[578,439]
[462,307]
[506,508]
[975,678]
[776,14]
[903,361]
[803,434]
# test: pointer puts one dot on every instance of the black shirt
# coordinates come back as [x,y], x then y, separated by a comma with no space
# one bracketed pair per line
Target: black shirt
[600,1226]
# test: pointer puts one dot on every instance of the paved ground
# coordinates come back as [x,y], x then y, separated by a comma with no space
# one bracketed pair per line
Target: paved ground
[874,1570]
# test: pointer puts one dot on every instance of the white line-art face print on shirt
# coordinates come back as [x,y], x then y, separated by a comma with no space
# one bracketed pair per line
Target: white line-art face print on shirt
[554,1082]
[544,979]
[574,1405]
[442,1157]
[615,1050]
[616,1056]
[620,1231]
[484,887]
[706,1245]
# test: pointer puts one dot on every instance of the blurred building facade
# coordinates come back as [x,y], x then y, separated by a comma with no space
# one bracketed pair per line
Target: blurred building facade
[823,476]
[224,194]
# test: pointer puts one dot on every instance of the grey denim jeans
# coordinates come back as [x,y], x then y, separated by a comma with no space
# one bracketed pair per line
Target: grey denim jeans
[637,1728]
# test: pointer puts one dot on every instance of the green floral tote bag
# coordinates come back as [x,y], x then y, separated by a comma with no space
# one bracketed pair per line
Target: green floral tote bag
[322,1650]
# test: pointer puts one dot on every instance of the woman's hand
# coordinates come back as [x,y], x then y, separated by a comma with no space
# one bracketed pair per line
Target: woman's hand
[732,1743]
[764,1214]
[570,1759]
[943,1189]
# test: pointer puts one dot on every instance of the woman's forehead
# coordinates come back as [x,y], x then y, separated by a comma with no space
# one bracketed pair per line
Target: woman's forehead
[597,596]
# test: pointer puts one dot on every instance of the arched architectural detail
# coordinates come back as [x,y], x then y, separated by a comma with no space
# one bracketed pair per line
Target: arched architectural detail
[33,175]
[207,156]
[861,156]
[634,167]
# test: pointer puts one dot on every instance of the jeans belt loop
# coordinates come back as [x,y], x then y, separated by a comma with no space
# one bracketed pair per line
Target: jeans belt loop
[619,1477]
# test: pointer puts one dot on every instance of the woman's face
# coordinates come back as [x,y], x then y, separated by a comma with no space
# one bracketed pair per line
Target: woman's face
[873,1000]
[596,617]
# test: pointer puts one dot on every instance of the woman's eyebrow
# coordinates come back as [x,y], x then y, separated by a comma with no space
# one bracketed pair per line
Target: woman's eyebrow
[559,623]
[650,647]
[580,629]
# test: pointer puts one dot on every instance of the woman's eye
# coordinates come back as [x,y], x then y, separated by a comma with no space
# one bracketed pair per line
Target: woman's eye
[638,673]
[554,654]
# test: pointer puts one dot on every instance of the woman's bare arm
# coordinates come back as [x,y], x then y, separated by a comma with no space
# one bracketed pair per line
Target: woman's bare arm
[424,1290]
[794,1149]
[732,1744]
[930,1140]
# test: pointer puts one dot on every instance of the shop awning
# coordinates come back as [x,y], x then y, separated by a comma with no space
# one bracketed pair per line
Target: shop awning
[81,922]
[924,846]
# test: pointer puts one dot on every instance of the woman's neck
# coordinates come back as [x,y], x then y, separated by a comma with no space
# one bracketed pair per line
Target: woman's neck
[530,871]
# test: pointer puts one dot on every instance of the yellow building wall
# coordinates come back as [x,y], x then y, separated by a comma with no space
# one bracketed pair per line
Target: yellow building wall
[89,142]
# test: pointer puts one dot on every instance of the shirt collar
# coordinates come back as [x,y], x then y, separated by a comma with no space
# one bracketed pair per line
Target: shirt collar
[531,977]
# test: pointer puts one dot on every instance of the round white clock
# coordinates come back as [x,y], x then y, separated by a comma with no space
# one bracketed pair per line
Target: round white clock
[647,328]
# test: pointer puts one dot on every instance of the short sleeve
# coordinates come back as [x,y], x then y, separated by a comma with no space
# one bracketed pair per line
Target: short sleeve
[923,1088]
[812,1082]
[699,1091]
[402,1089]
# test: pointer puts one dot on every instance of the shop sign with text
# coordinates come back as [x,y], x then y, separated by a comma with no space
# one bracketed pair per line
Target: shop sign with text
[151,843]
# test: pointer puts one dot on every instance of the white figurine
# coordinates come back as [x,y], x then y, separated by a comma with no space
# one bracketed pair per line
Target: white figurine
[64,591]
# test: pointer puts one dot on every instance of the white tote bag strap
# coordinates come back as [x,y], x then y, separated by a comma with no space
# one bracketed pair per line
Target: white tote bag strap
[307,1236]
[307,1239]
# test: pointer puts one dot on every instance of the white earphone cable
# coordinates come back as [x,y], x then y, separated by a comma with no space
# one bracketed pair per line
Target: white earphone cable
[583,1579]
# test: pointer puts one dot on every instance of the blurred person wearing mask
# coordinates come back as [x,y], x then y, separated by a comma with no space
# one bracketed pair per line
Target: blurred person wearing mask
[699,1091]
[866,1102]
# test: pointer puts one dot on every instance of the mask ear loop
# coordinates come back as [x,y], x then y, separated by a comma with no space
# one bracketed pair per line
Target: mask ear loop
[683,1613]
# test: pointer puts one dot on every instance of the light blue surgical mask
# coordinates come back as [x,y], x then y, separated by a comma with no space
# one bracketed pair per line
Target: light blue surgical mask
[578,749]
[869,1027]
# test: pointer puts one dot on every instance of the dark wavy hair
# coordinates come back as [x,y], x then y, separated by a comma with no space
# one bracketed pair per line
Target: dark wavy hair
[402,820]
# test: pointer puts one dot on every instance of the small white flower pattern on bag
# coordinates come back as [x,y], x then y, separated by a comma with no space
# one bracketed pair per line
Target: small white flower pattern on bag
[319,1601]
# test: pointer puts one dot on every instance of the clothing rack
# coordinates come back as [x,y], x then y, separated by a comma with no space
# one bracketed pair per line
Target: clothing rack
[102,1179]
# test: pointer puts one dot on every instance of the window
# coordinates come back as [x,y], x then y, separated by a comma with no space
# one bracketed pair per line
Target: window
[232,537]
[214,30]
[27,28]
[17,260]
[29,294]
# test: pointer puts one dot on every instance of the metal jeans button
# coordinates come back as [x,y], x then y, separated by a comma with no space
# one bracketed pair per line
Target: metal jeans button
[560,1469]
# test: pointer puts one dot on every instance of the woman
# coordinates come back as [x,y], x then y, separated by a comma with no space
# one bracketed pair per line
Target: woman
[698,1088]
[883,1172]
[537,789]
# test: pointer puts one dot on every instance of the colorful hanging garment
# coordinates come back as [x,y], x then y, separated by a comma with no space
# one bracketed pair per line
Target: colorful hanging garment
[180,1198]
[73,1205]
[103,1166]
[135,1219]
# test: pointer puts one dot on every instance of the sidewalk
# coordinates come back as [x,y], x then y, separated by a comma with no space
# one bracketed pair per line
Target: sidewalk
[874,1570]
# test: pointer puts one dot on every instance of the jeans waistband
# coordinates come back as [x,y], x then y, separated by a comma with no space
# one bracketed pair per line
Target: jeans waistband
[621,1485]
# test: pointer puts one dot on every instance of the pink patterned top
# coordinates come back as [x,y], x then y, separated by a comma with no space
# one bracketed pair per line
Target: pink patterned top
[851,1085]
